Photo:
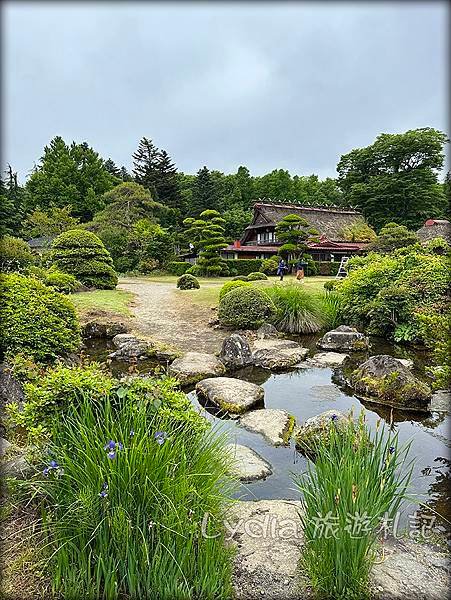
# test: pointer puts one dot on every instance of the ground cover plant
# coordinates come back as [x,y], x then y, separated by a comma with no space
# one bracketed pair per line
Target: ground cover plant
[126,484]
[356,484]
[114,301]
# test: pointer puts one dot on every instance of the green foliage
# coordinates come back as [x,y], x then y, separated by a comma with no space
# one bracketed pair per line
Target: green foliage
[187,282]
[236,221]
[395,179]
[126,522]
[435,329]
[357,474]
[244,266]
[329,285]
[295,232]
[393,236]
[15,254]
[207,235]
[245,308]
[36,319]
[256,276]
[297,310]
[269,266]
[13,199]
[327,268]
[82,254]
[231,285]
[61,282]
[178,268]
[240,278]
[331,310]
[359,231]
[50,222]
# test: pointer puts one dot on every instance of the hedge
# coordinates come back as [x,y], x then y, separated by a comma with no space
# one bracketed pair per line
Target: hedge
[178,268]
[244,266]
[327,267]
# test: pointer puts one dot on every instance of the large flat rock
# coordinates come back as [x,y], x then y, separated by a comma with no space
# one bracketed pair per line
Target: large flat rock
[194,366]
[343,338]
[267,537]
[327,359]
[277,355]
[247,464]
[275,425]
[232,395]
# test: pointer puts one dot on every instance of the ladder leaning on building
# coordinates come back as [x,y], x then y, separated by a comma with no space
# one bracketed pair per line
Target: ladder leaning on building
[342,272]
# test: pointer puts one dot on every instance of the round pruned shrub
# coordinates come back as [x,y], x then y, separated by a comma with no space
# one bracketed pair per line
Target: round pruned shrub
[245,308]
[188,282]
[257,276]
[240,278]
[329,285]
[15,254]
[82,254]
[231,285]
[35,319]
[61,282]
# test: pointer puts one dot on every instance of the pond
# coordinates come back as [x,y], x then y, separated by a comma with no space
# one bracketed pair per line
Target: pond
[305,392]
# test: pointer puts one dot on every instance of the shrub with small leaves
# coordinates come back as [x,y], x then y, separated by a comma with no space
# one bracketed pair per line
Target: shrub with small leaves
[329,285]
[257,276]
[15,254]
[187,282]
[246,308]
[231,285]
[269,266]
[240,278]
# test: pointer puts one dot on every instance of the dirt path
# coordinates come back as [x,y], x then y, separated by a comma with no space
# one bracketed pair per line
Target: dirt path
[163,315]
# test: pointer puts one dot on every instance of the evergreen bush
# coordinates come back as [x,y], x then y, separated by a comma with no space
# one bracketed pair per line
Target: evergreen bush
[178,268]
[187,282]
[82,254]
[231,285]
[15,254]
[244,266]
[245,308]
[240,278]
[257,276]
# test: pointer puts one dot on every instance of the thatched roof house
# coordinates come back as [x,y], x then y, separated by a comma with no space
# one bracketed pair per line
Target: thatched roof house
[435,228]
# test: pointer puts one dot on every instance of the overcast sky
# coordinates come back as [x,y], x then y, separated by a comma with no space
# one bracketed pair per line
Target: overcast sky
[266,85]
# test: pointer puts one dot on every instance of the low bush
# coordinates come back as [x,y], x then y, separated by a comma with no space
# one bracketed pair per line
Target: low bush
[297,310]
[15,254]
[82,254]
[240,278]
[187,282]
[356,484]
[257,276]
[244,266]
[61,282]
[327,268]
[245,308]
[36,319]
[125,492]
[178,268]
[269,266]
[231,285]
[329,285]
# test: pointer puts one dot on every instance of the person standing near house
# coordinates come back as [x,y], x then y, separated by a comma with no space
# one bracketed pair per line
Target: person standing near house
[300,270]
[281,269]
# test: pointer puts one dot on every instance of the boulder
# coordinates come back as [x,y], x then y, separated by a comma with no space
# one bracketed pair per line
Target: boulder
[247,464]
[343,338]
[100,329]
[277,355]
[327,359]
[11,390]
[194,366]
[4,445]
[317,429]
[232,395]
[267,536]
[441,401]
[236,352]
[267,331]
[275,425]
[122,338]
[17,466]
[386,380]
[134,349]
[407,362]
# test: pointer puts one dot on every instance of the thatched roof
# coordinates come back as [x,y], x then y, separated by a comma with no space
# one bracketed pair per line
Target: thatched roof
[435,228]
[328,221]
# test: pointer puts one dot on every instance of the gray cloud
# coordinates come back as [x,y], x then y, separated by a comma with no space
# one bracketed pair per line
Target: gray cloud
[270,85]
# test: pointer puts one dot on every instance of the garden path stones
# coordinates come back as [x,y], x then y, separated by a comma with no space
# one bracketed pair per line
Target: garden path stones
[275,425]
[247,464]
[441,401]
[267,535]
[316,428]
[277,355]
[236,352]
[384,379]
[344,338]
[232,395]
[194,366]
[327,359]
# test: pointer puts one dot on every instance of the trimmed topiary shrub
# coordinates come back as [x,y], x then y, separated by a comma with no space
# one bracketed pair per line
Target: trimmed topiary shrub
[257,276]
[187,282]
[178,268]
[327,267]
[82,254]
[15,254]
[245,308]
[231,285]
[329,285]
[269,266]
[244,266]
[36,319]
[61,282]
[240,278]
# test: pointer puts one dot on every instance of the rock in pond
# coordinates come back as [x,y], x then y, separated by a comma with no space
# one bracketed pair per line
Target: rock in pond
[275,425]
[386,380]
[232,395]
[267,535]
[236,352]
[343,338]
[277,355]
[327,359]
[317,428]
[441,401]
[247,464]
[267,331]
[194,366]
[101,329]
[133,349]
[122,338]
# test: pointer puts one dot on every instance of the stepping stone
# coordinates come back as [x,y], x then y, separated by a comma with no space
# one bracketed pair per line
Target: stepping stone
[344,338]
[328,359]
[267,536]
[194,366]
[441,401]
[248,465]
[275,425]
[277,355]
[232,395]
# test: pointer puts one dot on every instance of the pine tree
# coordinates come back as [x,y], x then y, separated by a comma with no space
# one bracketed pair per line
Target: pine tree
[206,233]
[295,232]
[145,165]
[166,182]
[112,168]
[204,193]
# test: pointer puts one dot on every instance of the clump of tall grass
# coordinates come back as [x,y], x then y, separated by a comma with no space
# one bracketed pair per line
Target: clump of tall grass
[358,480]
[331,309]
[125,491]
[297,310]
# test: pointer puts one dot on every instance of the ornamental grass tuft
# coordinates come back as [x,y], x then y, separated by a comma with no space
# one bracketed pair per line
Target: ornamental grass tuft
[297,310]
[356,484]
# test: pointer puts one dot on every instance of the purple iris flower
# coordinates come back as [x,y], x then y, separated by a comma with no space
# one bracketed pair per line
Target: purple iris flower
[132,433]
[120,446]
[104,485]
[111,454]
[391,449]
[46,471]
[334,417]
[110,446]
[160,437]
[53,464]
[103,494]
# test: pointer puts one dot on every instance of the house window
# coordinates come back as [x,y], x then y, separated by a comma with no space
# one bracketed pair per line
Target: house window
[265,237]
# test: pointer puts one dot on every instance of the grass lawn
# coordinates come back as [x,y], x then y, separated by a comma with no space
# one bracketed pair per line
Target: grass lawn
[115,301]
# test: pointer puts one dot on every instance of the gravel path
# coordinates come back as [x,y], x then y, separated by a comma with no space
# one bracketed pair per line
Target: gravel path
[169,317]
